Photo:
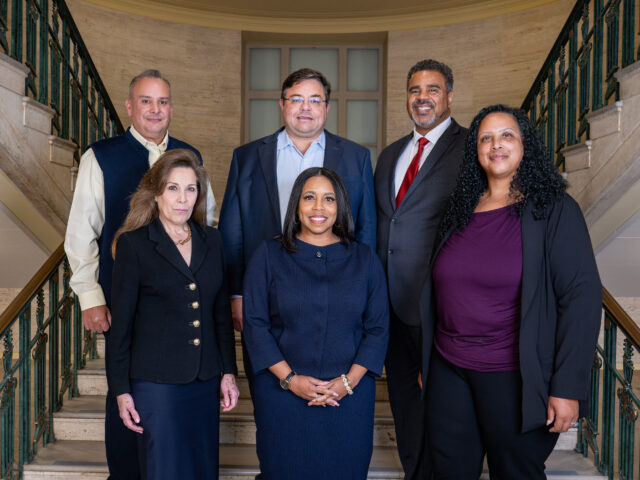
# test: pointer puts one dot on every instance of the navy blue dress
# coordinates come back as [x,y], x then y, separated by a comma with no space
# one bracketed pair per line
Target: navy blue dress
[321,309]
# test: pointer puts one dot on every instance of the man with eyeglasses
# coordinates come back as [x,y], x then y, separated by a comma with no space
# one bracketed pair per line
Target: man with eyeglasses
[262,174]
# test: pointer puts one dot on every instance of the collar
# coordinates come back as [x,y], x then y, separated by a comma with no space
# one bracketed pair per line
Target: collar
[284,141]
[162,146]
[434,134]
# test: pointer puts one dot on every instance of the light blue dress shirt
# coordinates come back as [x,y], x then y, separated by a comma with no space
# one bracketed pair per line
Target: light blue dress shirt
[290,162]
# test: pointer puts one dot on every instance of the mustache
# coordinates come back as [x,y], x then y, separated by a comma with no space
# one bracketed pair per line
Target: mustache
[425,101]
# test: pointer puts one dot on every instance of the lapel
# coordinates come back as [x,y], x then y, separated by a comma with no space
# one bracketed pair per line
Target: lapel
[533,244]
[395,155]
[441,146]
[332,151]
[199,246]
[166,248]
[267,156]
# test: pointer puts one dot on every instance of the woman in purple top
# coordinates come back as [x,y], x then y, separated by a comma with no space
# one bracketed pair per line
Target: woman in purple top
[513,309]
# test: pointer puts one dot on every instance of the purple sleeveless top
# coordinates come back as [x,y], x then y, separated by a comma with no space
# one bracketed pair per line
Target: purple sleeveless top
[478,280]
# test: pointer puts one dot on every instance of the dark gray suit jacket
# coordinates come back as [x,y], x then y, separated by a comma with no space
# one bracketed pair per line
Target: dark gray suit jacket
[405,236]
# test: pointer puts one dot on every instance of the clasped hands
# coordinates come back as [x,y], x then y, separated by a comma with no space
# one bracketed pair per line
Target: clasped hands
[318,393]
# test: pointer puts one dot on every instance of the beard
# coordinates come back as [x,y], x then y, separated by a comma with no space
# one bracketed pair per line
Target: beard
[429,122]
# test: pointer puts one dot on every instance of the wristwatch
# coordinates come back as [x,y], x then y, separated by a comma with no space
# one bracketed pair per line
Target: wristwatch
[286,382]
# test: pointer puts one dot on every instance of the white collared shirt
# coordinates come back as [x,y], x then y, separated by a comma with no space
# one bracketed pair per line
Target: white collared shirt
[412,148]
[86,220]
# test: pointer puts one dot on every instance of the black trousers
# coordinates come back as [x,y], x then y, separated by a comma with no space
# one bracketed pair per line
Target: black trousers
[403,363]
[120,442]
[471,414]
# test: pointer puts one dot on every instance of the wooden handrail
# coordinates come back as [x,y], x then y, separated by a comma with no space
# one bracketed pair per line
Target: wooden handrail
[629,326]
[31,288]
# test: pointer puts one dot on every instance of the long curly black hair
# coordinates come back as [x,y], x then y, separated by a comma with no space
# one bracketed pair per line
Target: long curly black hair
[537,182]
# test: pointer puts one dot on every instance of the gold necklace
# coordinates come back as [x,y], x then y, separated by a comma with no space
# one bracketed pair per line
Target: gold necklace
[182,242]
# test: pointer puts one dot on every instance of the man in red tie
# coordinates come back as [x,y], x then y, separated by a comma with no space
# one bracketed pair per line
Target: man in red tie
[413,179]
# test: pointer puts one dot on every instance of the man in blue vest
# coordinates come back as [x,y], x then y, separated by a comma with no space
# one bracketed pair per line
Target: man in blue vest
[110,171]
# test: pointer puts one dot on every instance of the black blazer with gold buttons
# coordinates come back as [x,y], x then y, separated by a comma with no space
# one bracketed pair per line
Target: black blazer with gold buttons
[171,323]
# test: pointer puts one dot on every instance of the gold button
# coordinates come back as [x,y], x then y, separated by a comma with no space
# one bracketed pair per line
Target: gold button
[196,341]
[192,286]
[196,323]
[195,305]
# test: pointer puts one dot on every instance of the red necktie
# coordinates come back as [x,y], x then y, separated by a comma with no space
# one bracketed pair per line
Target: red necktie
[412,171]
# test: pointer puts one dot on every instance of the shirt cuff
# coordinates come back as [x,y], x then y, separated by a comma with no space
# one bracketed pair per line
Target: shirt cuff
[92,298]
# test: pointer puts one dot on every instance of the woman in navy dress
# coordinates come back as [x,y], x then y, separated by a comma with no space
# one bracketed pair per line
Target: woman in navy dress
[316,328]
[171,346]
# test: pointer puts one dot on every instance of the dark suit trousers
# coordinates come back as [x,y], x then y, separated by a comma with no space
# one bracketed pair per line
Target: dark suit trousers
[403,362]
[471,413]
[120,442]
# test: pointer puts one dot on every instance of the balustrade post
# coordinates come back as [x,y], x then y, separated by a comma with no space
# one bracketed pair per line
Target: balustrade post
[608,397]
[25,454]
[7,410]
[598,26]
[43,75]
[16,31]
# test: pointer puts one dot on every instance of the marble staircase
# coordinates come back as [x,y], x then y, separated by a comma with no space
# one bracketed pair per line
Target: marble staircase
[78,452]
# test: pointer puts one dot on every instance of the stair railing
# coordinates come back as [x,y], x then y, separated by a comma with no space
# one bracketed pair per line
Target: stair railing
[578,77]
[42,35]
[610,426]
[41,354]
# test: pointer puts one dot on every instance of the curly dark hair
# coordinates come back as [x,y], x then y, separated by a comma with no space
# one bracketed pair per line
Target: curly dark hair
[537,182]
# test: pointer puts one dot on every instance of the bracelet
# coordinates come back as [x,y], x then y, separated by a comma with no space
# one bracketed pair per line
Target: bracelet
[347,384]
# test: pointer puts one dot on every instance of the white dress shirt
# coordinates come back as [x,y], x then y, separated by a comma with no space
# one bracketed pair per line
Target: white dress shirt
[412,148]
[86,220]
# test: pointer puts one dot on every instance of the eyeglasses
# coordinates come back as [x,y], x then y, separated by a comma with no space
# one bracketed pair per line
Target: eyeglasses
[313,101]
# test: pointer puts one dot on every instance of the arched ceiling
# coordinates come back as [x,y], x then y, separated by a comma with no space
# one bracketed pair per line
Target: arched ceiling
[320,16]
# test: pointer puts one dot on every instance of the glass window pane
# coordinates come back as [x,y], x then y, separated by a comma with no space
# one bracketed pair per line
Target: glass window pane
[362,69]
[324,60]
[332,118]
[265,68]
[362,121]
[264,118]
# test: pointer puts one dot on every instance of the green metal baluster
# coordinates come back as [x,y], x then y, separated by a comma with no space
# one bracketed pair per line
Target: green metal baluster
[589,425]
[101,130]
[32,44]
[7,410]
[16,31]
[54,349]
[628,32]
[628,416]
[67,371]
[85,108]
[551,93]
[39,356]
[608,397]
[44,52]
[66,86]
[598,42]
[612,17]
[584,62]
[572,85]
[56,58]
[4,25]
[25,454]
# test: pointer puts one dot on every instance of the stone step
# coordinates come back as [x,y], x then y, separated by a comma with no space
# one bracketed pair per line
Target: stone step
[83,419]
[70,460]
[92,381]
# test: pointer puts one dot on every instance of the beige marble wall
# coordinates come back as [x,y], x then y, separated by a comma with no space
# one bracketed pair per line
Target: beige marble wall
[6,297]
[203,65]
[493,61]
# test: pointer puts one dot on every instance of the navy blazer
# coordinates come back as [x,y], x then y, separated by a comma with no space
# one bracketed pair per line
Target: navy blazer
[250,210]
[321,309]
[160,306]
[561,307]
